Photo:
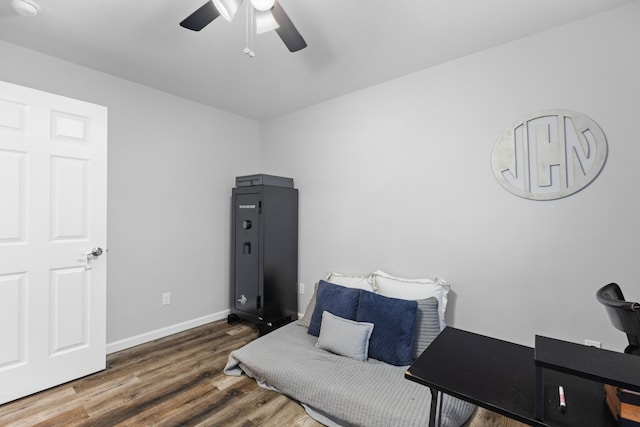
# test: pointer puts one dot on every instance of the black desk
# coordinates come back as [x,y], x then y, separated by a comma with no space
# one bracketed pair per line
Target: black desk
[603,366]
[501,377]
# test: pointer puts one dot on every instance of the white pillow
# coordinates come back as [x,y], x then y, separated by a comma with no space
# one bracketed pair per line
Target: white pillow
[345,337]
[413,289]
[351,281]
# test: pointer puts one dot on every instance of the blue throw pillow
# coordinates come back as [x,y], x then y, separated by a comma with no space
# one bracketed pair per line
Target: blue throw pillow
[392,337]
[337,300]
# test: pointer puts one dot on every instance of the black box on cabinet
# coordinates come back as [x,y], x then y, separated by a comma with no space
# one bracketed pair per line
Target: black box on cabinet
[262,179]
[264,254]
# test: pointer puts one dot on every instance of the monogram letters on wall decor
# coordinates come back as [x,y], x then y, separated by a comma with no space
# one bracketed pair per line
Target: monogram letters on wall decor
[549,155]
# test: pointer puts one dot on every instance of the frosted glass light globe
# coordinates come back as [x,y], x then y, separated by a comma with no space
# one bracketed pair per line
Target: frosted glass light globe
[262,5]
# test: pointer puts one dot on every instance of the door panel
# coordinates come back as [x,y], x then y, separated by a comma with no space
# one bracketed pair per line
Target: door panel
[12,181]
[247,253]
[69,296]
[69,198]
[53,182]
[12,319]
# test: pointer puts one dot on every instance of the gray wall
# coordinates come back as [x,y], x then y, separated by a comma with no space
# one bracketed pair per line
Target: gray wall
[172,164]
[398,177]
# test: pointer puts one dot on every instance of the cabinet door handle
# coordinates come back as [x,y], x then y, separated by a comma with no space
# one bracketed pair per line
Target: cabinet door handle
[246,249]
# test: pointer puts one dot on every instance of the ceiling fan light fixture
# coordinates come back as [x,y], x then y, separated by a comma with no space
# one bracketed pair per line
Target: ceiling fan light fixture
[262,5]
[25,7]
[227,8]
[265,22]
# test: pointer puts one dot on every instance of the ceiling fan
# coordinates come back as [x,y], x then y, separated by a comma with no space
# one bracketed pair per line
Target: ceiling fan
[269,15]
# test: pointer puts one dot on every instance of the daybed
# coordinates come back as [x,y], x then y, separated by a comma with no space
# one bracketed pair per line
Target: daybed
[339,376]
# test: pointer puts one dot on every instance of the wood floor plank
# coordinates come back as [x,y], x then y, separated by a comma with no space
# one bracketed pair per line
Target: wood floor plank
[35,405]
[103,401]
[71,418]
[222,382]
[243,407]
[180,405]
[275,412]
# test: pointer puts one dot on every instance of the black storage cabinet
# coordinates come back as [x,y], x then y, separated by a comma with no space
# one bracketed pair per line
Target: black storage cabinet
[264,248]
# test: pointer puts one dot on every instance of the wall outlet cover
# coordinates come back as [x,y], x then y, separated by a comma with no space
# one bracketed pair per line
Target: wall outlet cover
[592,343]
[166,298]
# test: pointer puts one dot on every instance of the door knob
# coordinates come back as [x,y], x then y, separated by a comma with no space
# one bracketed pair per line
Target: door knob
[95,252]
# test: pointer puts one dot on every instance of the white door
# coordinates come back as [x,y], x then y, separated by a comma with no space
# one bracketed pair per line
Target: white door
[53,210]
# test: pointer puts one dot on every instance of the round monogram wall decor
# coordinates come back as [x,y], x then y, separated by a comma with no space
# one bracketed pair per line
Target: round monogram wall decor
[549,155]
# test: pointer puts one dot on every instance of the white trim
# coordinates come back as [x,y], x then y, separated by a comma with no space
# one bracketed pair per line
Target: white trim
[164,332]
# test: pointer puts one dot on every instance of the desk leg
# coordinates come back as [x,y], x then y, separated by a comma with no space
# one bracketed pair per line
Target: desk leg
[435,408]
[539,393]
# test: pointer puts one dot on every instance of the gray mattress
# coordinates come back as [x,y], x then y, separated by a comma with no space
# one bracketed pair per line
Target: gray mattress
[348,392]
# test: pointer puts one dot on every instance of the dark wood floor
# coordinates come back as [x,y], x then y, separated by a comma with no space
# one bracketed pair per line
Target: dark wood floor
[174,381]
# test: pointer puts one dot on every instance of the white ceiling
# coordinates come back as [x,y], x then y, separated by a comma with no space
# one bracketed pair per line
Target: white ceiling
[352,44]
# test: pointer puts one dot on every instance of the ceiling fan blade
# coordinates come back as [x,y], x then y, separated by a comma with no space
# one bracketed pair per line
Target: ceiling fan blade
[201,17]
[287,31]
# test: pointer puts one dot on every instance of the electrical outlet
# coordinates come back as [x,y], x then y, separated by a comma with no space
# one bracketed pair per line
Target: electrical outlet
[301,288]
[592,343]
[166,298]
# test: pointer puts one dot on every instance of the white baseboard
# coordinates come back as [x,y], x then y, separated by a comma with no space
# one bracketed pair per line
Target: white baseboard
[163,332]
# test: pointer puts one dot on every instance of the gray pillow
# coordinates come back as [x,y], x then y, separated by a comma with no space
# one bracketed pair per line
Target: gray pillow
[345,337]
[427,325]
[306,319]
